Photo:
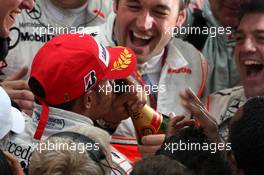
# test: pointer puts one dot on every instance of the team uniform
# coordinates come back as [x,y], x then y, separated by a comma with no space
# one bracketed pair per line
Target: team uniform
[218,48]
[223,106]
[32,29]
[179,66]
[23,145]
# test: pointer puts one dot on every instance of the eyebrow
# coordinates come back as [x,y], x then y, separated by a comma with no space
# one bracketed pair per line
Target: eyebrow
[163,7]
[259,31]
[133,1]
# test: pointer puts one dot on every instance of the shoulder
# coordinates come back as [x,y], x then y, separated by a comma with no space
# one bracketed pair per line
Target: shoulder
[230,92]
[223,99]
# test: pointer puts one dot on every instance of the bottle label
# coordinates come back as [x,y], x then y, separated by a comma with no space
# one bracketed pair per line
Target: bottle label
[146,122]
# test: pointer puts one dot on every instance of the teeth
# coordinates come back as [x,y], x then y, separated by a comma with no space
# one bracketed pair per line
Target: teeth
[250,62]
[15,13]
[141,36]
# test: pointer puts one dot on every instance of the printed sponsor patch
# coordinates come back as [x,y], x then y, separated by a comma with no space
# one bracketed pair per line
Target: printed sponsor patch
[90,79]
[103,54]
[52,123]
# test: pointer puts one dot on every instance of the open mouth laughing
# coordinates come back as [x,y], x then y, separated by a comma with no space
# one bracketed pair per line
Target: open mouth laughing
[253,69]
[13,14]
[140,40]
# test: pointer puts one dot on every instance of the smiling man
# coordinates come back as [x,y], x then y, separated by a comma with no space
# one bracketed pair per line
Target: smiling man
[220,17]
[165,62]
[9,10]
[249,57]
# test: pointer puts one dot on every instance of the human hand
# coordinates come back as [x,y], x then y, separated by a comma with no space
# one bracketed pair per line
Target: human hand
[178,122]
[150,144]
[202,117]
[18,90]
[14,164]
[123,104]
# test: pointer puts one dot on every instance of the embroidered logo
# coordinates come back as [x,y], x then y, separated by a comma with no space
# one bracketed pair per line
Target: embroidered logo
[90,80]
[181,70]
[123,61]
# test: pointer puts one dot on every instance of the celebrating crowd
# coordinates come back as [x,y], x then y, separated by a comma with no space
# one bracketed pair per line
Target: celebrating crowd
[140,87]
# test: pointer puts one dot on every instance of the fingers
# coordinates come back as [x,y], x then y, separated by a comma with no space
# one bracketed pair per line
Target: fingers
[19,74]
[178,122]
[15,84]
[202,117]
[14,163]
[157,139]
[150,144]
[148,150]
[21,95]
[19,92]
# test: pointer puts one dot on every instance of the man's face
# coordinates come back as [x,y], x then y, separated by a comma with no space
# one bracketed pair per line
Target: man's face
[102,99]
[9,10]
[249,53]
[143,25]
[226,11]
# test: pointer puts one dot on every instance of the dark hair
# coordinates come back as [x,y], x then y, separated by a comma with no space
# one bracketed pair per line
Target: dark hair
[247,137]
[251,6]
[4,165]
[199,161]
[39,92]
[159,165]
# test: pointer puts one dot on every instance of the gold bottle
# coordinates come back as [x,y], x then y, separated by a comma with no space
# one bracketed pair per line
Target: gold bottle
[147,121]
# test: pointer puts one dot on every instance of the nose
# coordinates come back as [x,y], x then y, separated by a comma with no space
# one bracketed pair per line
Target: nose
[144,21]
[27,4]
[249,45]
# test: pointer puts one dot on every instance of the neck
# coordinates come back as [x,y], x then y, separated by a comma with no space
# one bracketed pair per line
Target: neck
[68,4]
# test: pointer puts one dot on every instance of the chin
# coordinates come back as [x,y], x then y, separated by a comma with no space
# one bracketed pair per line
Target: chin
[250,92]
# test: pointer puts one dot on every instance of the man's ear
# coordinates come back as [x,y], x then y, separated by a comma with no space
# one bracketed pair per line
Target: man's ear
[87,100]
[181,18]
[115,5]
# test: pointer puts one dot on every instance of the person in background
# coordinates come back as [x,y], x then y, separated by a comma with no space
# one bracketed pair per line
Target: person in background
[9,11]
[33,28]
[159,165]
[249,56]
[212,25]
[246,131]
[92,155]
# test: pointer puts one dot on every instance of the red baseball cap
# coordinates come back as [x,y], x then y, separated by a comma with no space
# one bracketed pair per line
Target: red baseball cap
[71,64]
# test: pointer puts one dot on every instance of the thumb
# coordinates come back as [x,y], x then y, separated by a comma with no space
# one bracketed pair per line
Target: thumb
[19,74]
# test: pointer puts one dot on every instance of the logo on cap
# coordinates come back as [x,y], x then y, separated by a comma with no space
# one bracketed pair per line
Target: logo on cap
[90,80]
[123,61]
[103,54]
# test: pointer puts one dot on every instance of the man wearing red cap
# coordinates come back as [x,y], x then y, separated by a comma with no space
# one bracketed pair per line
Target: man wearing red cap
[65,78]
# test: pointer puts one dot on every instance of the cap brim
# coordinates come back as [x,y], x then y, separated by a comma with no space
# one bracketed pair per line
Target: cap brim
[18,121]
[122,63]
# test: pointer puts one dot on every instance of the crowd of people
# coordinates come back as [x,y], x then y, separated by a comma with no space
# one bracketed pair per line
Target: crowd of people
[200,62]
